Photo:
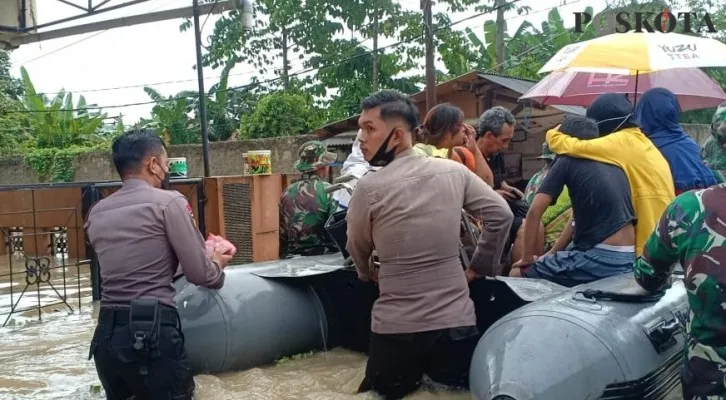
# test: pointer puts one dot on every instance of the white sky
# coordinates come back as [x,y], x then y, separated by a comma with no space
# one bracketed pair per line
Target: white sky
[158,52]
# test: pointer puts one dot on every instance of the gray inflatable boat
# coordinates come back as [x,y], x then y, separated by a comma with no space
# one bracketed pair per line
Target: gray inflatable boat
[541,341]
[604,340]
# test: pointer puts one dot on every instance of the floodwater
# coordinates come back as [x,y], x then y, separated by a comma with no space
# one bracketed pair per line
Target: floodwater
[48,359]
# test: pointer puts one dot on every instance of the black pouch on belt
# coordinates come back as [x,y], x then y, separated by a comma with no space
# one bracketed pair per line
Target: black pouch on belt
[145,326]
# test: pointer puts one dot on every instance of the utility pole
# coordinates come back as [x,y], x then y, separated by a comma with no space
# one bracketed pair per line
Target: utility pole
[202,94]
[430,68]
[374,55]
[499,37]
[285,77]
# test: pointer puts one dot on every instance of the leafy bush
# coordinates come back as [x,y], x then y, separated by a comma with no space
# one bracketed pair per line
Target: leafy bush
[281,114]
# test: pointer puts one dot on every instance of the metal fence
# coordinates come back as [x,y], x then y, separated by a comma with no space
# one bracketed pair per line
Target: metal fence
[46,262]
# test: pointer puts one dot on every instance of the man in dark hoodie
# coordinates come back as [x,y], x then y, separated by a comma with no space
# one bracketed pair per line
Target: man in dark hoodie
[658,115]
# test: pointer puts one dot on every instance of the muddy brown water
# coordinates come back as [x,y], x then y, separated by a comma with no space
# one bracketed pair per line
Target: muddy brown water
[48,359]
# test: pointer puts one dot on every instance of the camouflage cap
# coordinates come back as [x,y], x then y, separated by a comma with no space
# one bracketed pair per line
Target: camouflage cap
[547,154]
[718,125]
[313,155]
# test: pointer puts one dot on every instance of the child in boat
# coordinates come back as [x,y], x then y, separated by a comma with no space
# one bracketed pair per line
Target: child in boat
[604,236]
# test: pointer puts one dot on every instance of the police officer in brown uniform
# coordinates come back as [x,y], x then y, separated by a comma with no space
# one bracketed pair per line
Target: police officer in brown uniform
[142,235]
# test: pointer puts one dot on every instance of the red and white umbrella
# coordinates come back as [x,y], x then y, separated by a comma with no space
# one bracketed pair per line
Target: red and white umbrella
[693,88]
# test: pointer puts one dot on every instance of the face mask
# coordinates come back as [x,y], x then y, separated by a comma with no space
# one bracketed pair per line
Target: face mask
[384,156]
[165,183]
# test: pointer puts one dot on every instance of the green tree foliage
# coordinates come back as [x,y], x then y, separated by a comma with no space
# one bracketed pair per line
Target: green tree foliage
[59,122]
[12,119]
[171,119]
[281,113]
[529,48]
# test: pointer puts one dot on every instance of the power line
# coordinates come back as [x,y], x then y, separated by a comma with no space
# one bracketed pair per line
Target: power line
[273,80]
[354,45]
[152,84]
[82,39]
[251,72]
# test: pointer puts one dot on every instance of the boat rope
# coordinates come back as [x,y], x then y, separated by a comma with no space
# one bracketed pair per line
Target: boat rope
[592,294]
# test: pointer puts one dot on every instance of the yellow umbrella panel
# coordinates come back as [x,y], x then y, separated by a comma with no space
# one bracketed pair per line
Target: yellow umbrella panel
[633,52]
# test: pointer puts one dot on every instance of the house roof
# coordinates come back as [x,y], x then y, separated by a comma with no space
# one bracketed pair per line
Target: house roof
[517,85]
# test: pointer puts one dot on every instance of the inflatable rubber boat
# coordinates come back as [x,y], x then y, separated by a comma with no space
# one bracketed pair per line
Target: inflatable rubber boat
[604,340]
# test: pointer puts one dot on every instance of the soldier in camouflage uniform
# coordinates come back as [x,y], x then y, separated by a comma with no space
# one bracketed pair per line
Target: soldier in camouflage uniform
[305,207]
[692,231]
[714,150]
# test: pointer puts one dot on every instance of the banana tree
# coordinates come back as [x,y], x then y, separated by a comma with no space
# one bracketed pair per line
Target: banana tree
[170,117]
[528,49]
[59,123]
[222,122]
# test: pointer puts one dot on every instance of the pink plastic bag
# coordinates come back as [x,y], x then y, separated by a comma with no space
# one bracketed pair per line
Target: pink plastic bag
[223,244]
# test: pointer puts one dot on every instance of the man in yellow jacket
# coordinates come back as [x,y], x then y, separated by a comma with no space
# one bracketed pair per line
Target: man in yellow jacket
[622,143]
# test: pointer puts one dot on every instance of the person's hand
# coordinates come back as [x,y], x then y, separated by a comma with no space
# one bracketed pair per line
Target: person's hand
[470,139]
[509,196]
[219,257]
[470,275]
[525,261]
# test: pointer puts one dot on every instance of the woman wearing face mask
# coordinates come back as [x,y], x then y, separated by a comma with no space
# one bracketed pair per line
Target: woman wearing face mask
[658,114]
[622,143]
[442,131]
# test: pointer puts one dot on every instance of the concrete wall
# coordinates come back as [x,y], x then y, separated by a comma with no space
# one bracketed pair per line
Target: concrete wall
[225,158]
[699,132]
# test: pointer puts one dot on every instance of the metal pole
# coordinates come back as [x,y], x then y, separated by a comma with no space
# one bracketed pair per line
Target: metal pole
[430,67]
[202,94]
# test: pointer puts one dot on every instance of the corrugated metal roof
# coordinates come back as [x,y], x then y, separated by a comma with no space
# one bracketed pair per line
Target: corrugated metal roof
[339,141]
[521,86]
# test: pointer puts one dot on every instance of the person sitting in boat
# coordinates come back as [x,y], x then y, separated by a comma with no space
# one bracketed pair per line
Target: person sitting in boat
[423,322]
[692,232]
[604,234]
[713,151]
[356,166]
[494,133]
[443,132]
[622,143]
[555,218]
[305,206]
[658,115]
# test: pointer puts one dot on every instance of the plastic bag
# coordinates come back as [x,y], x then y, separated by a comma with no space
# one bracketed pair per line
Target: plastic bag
[223,244]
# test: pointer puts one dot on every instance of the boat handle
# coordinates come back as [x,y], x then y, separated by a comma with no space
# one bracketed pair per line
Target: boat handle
[663,333]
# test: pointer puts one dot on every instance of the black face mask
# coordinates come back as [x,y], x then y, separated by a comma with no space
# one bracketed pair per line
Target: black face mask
[383,156]
[165,182]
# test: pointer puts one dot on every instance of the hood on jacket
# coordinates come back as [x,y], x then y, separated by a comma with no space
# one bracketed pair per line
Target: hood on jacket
[612,112]
[658,113]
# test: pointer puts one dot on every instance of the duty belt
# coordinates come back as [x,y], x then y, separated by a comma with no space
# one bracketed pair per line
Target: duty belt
[119,315]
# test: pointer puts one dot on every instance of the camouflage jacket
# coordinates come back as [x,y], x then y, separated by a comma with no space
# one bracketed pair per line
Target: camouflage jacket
[304,209]
[692,231]
[557,215]
[714,156]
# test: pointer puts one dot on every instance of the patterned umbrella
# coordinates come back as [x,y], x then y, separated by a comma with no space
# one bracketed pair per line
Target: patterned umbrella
[694,89]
